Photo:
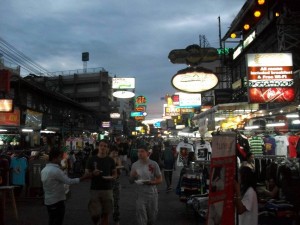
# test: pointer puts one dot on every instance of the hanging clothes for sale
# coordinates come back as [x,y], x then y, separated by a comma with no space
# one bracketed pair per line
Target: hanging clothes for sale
[183,148]
[243,147]
[282,144]
[18,168]
[293,141]
[256,145]
[202,150]
[270,144]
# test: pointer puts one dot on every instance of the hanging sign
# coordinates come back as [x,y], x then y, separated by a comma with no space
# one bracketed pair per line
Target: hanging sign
[270,77]
[222,173]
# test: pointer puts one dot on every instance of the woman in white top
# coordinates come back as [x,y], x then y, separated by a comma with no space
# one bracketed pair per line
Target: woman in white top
[246,198]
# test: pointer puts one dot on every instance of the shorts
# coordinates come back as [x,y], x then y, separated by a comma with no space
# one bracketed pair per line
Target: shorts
[101,202]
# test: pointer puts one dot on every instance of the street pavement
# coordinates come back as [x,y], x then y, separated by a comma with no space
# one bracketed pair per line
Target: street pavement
[171,209]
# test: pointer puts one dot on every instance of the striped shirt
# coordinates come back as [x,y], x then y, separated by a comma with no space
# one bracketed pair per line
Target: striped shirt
[256,145]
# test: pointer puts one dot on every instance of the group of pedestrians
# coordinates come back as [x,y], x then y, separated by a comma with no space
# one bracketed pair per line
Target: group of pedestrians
[103,170]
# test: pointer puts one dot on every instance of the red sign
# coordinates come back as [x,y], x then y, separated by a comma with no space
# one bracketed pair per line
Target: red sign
[139,118]
[263,95]
[175,99]
[10,119]
[222,173]
[4,81]
[140,100]
[140,109]
[270,77]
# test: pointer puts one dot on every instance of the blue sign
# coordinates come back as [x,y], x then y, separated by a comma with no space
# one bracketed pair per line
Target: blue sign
[157,125]
[134,114]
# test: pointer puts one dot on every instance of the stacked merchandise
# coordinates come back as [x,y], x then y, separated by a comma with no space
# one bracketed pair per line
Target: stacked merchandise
[193,181]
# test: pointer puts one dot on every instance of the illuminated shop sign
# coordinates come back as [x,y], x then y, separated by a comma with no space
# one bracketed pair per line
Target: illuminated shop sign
[123,94]
[123,83]
[172,111]
[237,51]
[6,105]
[115,115]
[140,100]
[106,124]
[135,114]
[194,80]
[10,119]
[189,99]
[270,77]
[140,108]
[249,39]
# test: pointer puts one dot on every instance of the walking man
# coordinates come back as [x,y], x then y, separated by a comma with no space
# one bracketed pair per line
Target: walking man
[53,179]
[103,171]
[168,164]
[146,173]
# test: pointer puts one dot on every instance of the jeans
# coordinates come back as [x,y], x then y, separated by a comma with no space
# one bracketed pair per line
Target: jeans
[56,213]
[168,178]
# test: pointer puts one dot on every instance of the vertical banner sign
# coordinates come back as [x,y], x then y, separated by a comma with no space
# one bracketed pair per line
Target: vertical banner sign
[270,77]
[5,81]
[222,173]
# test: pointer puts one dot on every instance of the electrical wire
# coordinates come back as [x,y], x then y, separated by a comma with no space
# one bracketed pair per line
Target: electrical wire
[17,57]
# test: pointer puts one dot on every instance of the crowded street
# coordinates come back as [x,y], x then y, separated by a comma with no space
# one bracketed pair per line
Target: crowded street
[150,112]
[171,210]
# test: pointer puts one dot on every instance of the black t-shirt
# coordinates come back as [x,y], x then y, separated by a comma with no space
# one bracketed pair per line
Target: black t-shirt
[106,165]
[123,148]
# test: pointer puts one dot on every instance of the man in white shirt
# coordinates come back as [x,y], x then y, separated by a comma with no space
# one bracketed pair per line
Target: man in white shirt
[53,179]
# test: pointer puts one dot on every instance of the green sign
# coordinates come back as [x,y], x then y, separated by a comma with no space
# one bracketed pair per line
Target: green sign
[224,51]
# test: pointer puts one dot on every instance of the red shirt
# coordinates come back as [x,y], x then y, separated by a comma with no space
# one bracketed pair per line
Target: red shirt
[293,140]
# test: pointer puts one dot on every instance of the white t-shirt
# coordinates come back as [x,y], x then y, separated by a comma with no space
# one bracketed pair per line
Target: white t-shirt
[182,154]
[282,144]
[201,150]
[249,200]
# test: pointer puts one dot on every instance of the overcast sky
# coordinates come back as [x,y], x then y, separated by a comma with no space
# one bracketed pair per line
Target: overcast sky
[129,38]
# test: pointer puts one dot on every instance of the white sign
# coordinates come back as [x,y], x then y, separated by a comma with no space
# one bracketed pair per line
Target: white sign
[123,94]
[189,99]
[115,115]
[269,59]
[249,39]
[123,83]
[194,81]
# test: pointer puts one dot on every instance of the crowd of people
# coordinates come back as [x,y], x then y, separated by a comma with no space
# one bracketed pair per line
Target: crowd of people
[146,163]
[141,160]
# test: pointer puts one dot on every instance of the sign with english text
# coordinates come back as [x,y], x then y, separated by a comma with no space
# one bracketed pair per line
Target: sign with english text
[270,77]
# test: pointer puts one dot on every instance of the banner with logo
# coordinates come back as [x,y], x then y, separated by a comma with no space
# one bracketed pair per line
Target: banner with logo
[222,173]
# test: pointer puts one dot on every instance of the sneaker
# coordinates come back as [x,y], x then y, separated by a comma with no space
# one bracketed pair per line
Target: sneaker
[169,189]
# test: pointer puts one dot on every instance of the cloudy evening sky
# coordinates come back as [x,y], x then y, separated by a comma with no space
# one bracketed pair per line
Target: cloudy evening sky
[129,38]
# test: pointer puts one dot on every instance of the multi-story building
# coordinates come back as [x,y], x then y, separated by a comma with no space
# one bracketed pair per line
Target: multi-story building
[91,88]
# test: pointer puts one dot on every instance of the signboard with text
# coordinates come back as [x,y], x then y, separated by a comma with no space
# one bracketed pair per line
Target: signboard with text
[135,114]
[123,83]
[270,77]
[222,173]
[10,119]
[140,100]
